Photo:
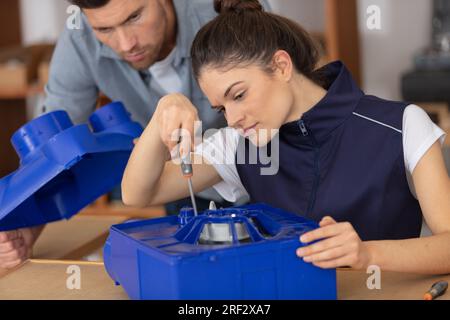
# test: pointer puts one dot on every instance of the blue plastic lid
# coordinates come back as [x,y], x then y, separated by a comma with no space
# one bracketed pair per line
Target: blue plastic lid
[64,167]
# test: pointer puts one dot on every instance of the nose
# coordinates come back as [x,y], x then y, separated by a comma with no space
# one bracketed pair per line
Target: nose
[234,117]
[126,41]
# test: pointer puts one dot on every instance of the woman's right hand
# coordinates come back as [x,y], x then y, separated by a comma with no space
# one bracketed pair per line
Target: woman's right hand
[175,112]
[150,178]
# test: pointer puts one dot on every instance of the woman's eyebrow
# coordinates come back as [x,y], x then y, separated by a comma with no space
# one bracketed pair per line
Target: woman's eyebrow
[231,87]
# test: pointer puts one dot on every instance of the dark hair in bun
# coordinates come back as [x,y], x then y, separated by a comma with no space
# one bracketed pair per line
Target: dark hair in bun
[237,6]
[243,33]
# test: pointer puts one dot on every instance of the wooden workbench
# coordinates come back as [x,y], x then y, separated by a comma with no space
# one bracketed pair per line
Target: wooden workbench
[46,280]
[74,239]
[41,279]
[72,242]
[80,238]
[83,236]
[394,286]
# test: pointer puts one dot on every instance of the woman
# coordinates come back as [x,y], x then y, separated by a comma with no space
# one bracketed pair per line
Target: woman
[368,169]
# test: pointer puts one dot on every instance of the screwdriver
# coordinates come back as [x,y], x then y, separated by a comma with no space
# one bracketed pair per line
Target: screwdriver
[437,290]
[186,169]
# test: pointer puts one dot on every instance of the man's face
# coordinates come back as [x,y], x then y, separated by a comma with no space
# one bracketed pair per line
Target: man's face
[134,29]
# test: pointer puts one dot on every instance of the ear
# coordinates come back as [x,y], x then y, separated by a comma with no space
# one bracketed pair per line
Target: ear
[282,65]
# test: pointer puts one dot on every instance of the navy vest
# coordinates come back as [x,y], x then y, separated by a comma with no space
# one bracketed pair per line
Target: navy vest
[343,158]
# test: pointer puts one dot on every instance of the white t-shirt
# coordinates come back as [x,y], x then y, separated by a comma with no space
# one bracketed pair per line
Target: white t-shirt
[419,134]
[164,74]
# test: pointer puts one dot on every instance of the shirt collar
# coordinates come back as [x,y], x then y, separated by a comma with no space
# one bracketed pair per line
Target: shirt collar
[338,104]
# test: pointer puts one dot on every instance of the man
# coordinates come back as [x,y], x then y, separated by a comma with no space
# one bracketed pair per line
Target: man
[134,51]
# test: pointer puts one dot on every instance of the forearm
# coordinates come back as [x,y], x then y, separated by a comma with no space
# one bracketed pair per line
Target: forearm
[428,255]
[144,168]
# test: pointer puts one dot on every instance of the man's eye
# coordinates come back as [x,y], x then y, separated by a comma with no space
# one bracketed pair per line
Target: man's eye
[134,18]
[106,30]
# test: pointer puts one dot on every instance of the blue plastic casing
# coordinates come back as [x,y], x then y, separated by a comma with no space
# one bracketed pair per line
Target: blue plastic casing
[64,167]
[162,258]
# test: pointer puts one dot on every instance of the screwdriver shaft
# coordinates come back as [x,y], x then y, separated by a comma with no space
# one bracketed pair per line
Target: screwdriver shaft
[186,169]
[191,191]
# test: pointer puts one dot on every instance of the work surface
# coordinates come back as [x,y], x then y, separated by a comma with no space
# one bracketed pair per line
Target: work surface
[66,243]
[45,279]
[80,238]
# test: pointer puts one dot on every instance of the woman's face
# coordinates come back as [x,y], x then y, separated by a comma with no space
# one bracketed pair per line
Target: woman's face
[254,102]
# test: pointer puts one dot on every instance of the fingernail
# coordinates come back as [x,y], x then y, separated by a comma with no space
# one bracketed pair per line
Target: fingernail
[307,259]
[300,252]
[303,239]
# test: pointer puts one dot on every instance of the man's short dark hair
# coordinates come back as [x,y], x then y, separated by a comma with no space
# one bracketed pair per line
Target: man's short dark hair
[89,4]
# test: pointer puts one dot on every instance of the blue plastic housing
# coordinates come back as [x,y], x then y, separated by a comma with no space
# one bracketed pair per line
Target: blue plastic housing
[163,259]
[64,167]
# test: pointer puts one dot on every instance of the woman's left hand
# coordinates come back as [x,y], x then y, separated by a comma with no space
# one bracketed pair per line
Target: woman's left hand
[339,246]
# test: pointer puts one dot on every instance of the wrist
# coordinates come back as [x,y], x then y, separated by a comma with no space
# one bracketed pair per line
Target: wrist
[35,233]
[372,253]
[151,138]
[38,230]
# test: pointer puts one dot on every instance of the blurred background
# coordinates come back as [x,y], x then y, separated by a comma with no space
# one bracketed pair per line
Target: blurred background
[405,57]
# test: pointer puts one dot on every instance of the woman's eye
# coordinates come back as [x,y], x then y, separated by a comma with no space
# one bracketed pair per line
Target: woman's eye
[239,96]
[219,109]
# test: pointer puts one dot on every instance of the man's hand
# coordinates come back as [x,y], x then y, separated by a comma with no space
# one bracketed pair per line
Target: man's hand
[339,246]
[16,246]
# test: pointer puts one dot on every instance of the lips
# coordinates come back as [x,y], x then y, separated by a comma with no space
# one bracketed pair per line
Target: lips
[248,130]
[135,57]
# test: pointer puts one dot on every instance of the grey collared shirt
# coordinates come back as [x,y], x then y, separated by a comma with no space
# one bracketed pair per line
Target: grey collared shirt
[82,66]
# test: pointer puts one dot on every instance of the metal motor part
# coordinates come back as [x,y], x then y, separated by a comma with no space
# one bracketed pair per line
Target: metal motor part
[220,233]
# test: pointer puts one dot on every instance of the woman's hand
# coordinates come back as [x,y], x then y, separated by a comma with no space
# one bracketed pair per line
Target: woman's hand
[339,246]
[175,117]
[150,178]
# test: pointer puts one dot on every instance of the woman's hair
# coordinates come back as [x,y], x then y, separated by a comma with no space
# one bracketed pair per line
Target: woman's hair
[243,34]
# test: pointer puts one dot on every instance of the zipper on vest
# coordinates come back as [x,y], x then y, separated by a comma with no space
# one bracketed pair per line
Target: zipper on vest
[303,129]
[312,199]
